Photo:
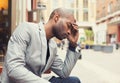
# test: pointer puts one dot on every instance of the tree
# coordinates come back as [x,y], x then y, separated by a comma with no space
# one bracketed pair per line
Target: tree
[89,35]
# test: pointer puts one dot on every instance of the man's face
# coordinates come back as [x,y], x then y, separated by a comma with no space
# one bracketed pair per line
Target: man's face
[63,27]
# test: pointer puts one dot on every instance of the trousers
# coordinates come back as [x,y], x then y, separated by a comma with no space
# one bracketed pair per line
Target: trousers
[70,79]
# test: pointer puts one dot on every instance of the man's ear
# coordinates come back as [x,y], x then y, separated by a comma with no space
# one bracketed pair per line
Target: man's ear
[56,18]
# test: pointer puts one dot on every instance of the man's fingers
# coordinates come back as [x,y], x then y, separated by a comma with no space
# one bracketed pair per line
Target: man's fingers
[75,26]
[73,38]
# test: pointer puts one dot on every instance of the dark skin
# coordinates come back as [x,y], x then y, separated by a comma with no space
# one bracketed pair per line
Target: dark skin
[62,28]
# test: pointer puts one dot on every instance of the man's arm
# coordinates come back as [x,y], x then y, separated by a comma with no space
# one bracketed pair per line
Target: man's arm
[63,69]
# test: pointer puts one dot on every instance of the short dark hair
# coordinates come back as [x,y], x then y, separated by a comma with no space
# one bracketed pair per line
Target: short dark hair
[63,12]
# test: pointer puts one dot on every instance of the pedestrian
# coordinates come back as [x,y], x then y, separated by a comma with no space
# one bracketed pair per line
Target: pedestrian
[32,50]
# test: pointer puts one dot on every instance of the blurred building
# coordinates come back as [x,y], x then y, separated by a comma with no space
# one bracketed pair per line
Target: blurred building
[26,10]
[108,21]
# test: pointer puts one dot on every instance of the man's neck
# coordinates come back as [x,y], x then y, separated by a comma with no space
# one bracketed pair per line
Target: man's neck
[48,30]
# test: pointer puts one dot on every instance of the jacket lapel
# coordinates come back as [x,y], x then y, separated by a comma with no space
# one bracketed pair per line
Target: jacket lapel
[43,44]
[49,62]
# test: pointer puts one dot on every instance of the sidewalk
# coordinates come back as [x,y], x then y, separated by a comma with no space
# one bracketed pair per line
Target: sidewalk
[104,67]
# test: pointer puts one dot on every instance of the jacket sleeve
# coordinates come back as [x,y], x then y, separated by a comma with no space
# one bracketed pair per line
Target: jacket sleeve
[63,69]
[15,57]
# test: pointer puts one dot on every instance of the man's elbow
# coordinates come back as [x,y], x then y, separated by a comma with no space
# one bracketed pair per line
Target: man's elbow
[64,75]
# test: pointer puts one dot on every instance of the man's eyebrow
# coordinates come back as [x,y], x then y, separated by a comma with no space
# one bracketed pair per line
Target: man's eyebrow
[75,24]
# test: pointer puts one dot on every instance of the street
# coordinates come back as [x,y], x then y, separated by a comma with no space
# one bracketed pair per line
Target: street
[96,67]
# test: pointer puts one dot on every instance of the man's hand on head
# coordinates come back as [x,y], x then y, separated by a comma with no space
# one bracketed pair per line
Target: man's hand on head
[74,35]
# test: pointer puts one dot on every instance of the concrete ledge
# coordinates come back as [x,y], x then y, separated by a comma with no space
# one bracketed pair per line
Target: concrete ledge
[103,48]
[97,47]
[107,49]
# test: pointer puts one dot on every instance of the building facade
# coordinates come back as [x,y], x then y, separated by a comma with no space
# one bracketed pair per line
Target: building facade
[108,21]
[26,11]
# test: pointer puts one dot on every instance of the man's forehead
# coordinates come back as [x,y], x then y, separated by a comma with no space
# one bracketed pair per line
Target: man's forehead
[71,19]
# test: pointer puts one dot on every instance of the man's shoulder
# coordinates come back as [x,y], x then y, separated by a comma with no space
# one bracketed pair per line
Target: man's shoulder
[28,25]
[25,27]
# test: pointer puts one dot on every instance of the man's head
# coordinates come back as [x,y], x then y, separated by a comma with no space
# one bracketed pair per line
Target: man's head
[63,22]
[62,12]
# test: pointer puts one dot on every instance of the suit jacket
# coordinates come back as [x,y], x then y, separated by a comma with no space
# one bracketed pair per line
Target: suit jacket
[25,59]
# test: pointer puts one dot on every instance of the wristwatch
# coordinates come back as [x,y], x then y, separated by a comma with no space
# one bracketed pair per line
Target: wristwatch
[75,49]
[78,49]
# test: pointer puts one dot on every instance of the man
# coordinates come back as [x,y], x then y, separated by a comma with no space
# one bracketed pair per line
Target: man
[32,51]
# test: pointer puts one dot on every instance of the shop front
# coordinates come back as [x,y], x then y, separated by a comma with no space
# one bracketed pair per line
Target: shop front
[113,31]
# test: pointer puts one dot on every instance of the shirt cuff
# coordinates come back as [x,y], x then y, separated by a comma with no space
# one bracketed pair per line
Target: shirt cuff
[72,48]
[75,49]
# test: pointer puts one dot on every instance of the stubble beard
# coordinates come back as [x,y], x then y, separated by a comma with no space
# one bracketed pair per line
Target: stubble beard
[56,32]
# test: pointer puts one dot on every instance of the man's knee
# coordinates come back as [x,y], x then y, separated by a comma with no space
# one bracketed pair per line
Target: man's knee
[74,79]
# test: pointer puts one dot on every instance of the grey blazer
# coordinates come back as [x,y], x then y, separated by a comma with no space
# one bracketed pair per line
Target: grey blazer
[26,56]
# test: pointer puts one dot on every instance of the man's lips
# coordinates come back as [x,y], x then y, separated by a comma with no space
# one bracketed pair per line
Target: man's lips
[64,36]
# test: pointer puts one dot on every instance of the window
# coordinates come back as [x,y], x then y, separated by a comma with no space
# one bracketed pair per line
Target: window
[110,5]
[77,15]
[104,11]
[85,15]
[85,3]
[77,3]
